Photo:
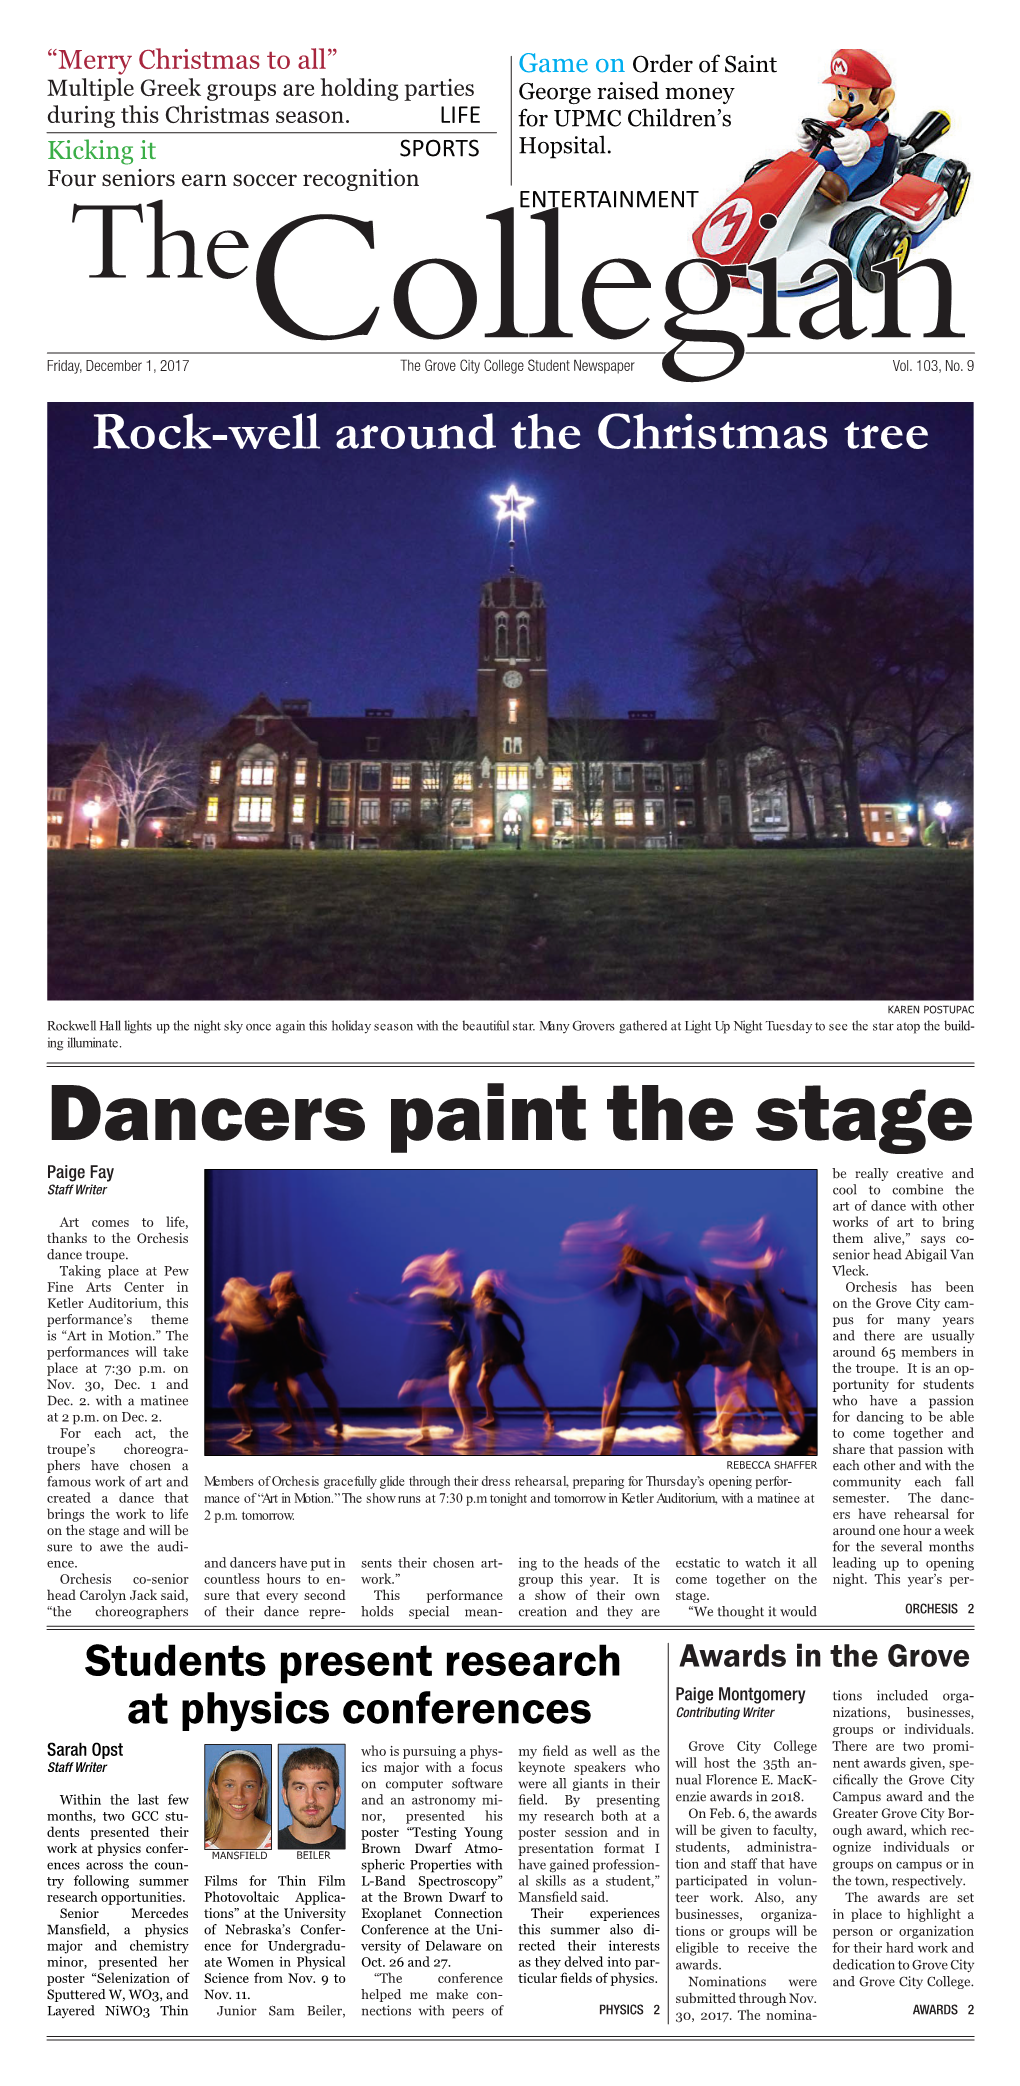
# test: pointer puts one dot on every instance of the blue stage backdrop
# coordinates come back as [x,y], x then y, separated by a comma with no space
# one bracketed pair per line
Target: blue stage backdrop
[341,1232]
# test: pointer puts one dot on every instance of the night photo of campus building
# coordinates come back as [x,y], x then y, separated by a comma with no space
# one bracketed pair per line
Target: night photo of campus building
[509,774]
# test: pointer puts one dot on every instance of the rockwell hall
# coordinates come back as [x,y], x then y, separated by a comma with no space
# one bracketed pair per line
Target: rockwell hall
[506,774]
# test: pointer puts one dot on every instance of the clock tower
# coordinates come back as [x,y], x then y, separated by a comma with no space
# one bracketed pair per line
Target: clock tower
[513,712]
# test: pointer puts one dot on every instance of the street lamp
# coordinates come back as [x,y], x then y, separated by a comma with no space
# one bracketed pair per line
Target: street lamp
[157,827]
[518,805]
[942,811]
[91,811]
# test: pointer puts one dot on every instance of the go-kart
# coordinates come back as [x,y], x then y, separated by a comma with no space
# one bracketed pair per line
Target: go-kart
[777,213]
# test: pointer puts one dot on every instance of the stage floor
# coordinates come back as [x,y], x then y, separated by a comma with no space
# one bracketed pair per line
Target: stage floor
[378,1433]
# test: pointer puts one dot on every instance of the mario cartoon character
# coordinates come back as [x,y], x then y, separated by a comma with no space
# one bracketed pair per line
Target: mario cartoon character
[862,92]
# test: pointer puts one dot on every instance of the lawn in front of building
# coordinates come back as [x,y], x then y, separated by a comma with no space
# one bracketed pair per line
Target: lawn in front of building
[770,924]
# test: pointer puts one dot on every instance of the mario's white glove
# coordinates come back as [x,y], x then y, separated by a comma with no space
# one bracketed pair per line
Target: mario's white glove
[850,146]
[803,140]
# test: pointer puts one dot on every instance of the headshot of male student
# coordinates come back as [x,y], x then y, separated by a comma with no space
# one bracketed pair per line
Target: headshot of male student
[311,1792]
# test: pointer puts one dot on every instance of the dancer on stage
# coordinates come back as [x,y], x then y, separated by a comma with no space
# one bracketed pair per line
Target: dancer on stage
[743,1324]
[438,1349]
[653,1345]
[298,1348]
[502,1347]
[237,1804]
[249,1325]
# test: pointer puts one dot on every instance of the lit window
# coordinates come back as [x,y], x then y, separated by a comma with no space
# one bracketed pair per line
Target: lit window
[623,811]
[514,745]
[400,809]
[874,817]
[255,811]
[400,777]
[563,778]
[54,818]
[653,776]
[683,776]
[623,777]
[56,796]
[511,710]
[338,812]
[300,774]
[685,811]
[563,811]
[368,811]
[463,778]
[253,774]
[371,777]
[726,811]
[215,770]
[596,812]
[212,810]
[339,774]
[298,811]
[513,778]
[461,811]
[655,813]
[768,809]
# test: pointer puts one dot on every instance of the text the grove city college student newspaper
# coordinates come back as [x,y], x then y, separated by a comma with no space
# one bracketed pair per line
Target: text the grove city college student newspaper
[510,1153]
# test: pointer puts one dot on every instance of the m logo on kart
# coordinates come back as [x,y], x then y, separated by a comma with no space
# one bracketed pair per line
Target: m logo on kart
[839,67]
[726,229]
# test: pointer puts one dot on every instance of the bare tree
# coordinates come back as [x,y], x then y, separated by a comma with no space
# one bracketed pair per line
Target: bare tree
[585,739]
[150,732]
[450,739]
[744,648]
[861,648]
[825,665]
[927,706]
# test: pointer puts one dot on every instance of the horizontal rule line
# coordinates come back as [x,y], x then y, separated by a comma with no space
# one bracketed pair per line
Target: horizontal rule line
[386,2036]
[606,1064]
[314,133]
[467,347]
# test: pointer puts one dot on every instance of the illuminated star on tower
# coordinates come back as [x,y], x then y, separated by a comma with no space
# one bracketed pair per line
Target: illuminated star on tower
[511,506]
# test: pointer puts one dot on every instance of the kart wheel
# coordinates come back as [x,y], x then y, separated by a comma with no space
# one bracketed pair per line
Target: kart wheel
[920,163]
[757,167]
[951,174]
[955,179]
[867,237]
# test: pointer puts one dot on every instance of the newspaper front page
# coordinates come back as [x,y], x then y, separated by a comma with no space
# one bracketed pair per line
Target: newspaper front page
[505,1491]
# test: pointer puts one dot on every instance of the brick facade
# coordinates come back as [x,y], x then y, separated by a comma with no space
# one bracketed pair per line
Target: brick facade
[507,774]
[74,779]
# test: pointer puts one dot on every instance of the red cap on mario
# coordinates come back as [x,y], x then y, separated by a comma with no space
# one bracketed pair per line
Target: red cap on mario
[857,69]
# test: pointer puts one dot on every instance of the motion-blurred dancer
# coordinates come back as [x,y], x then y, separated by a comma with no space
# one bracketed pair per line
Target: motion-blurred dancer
[299,1351]
[502,1347]
[249,1325]
[652,1345]
[742,1323]
[438,1348]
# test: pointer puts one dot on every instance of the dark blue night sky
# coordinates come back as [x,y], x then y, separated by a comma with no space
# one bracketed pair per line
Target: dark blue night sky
[352,578]
[341,1232]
